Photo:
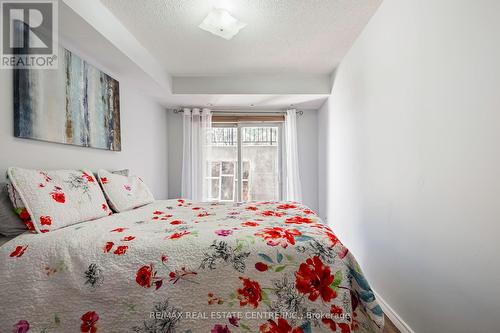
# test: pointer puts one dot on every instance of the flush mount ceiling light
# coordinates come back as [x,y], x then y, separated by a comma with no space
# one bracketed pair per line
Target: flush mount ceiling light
[221,23]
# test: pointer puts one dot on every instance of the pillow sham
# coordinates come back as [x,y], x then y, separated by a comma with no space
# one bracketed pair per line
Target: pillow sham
[124,193]
[10,224]
[19,207]
[58,198]
[123,172]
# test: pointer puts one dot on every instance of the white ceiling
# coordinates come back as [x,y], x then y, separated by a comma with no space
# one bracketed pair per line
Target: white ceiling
[281,36]
[284,56]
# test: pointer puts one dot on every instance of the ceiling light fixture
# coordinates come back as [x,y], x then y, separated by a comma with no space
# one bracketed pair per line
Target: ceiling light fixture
[221,23]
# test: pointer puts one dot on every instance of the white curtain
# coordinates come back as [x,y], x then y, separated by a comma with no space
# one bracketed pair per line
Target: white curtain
[196,151]
[293,186]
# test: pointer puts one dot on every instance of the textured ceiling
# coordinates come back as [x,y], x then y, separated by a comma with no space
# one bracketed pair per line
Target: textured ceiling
[281,36]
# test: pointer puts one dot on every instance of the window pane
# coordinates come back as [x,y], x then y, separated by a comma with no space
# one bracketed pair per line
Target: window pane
[215,169]
[224,136]
[214,188]
[255,136]
[260,155]
[224,154]
[245,190]
[228,168]
[246,169]
[227,192]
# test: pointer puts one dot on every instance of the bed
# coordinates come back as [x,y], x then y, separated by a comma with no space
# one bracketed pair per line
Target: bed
[181,266]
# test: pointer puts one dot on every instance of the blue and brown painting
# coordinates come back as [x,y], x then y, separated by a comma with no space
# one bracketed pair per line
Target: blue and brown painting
[76,104]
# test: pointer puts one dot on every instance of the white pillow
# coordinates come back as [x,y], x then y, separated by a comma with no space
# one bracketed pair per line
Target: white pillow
[124,193]
[58,198]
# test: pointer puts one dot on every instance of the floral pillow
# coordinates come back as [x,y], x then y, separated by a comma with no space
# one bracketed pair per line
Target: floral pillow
[49,200]
[19,207]
[124,193]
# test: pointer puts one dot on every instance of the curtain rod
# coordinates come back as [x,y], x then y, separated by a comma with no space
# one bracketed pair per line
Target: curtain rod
[250,112]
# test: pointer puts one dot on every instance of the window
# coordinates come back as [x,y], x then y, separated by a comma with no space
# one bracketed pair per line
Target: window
[252,149]
[223,180]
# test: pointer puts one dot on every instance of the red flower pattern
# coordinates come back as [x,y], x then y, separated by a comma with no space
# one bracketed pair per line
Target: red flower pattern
[286,206]
[333,239]
[271,213]
[145,275]
[180,274]
[22,326]
[45,220]
[314,279]
[19,251]
[250,294]
[298,220]
[218,328]
[88,177]
[178,235]
[89,320]
[279,236]
[108,247]
[24,215]
[250,224]
[344,327]
[282,326]
[58,195]
[261,267]
[122,249]
[29,225]
[336,310]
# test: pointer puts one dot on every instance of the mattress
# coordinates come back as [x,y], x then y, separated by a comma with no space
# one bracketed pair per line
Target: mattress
[181,266]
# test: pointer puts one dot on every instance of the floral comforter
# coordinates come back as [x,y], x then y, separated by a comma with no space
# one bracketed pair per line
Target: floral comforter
[180,266]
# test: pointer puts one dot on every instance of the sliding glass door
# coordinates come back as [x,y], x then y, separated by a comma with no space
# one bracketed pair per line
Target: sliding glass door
[222,166]
[245,163]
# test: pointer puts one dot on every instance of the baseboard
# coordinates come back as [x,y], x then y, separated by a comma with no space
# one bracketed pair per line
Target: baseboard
[393,316]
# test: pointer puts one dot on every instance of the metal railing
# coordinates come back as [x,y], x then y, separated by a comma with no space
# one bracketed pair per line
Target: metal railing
[257,136]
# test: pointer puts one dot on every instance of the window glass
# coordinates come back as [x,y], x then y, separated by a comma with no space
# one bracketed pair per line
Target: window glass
[260,164]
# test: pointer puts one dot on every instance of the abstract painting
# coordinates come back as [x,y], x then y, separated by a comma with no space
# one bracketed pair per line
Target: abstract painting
[76,104]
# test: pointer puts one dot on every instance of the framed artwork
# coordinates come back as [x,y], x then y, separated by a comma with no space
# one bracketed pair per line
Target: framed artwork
[75,104]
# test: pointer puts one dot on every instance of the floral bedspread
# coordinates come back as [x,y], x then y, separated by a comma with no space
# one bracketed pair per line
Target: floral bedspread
[180,266]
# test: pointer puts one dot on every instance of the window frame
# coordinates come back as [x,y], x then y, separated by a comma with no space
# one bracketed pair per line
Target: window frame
[239,125]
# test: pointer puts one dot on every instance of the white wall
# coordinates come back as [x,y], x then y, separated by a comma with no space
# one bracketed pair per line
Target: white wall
[307,126]
[411,134]
[144,141]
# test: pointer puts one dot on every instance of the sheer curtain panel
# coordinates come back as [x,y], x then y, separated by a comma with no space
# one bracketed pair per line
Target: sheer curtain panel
[197,125]
[292,186]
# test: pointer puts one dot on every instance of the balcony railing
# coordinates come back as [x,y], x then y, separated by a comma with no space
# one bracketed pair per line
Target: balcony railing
[251,136]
